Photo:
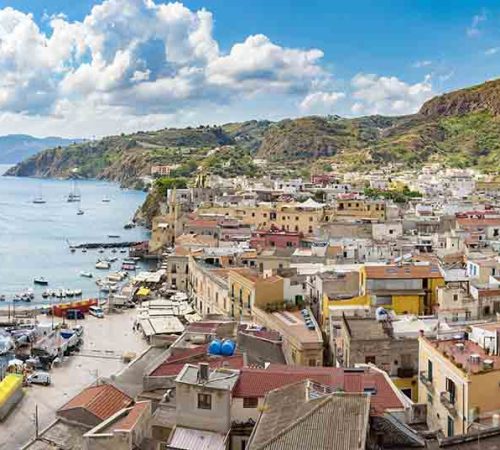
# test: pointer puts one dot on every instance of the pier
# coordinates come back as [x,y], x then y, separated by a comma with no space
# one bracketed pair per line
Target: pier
[97,245]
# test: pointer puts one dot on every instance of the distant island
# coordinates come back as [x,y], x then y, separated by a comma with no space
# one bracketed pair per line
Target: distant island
[14,148]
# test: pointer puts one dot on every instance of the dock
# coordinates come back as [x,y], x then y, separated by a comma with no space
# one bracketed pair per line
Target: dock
[97,245]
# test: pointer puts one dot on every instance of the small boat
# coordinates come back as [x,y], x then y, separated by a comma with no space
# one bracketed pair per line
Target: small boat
[129,225]
[46,294]
[86,274]
[106,199]
[114,236]
[101,250]
[2,298]
[77,292]
[123,250]
[72,250]
[74,195]
[30,294]
[80,212]
[113,251]
[112,259]
[41,281]
[39,201]
[69,293]
[103,265]
[84,250]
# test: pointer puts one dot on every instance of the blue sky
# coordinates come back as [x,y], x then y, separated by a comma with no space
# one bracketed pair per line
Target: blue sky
[99,70]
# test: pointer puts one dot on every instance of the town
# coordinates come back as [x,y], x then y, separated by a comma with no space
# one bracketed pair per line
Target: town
[348,310]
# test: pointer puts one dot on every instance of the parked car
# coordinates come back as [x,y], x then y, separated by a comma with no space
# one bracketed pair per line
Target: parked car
[96,311]
[78,330]
[39,378]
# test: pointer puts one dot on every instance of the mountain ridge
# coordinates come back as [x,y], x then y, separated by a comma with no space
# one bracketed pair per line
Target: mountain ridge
[460,128]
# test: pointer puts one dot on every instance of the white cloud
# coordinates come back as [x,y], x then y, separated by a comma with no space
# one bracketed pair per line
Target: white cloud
[421,64]
[320,102]
[375,94]
[137,64]
[473,29]
[492,51]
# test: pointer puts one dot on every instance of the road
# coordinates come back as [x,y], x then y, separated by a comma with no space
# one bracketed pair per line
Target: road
[105,340]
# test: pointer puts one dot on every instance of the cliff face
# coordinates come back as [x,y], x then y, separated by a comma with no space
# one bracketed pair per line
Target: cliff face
[481,98]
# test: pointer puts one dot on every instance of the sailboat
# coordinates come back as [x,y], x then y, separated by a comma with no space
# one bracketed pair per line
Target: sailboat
[80,211]
[74,195]
[39,200]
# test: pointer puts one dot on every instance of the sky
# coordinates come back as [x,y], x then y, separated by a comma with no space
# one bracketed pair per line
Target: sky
[92,68]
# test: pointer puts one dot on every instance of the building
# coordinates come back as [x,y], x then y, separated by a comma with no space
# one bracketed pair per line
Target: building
[405,288]
[459,379]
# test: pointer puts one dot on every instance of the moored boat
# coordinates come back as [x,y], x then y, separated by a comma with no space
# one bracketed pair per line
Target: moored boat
[103,265]
[86,274]
[41,281]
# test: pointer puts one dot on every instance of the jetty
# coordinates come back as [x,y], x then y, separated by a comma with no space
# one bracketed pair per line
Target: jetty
[97,245]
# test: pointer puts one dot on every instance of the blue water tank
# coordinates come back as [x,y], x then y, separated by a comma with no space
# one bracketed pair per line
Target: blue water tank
[214,348]
[227,348]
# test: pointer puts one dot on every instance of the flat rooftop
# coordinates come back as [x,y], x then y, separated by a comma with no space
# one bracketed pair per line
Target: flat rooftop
[470,355]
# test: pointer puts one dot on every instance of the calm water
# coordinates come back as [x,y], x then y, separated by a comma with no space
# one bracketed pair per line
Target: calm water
[34,238]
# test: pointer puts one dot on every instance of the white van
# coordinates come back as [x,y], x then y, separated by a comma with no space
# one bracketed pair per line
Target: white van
[39,378]
[96,311]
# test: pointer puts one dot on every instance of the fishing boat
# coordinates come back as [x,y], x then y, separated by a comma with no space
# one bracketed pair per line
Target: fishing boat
[41,281]
[106,199]
[86,274]
[103,265]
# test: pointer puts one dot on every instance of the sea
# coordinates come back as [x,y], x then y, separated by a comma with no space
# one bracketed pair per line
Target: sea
[35,238]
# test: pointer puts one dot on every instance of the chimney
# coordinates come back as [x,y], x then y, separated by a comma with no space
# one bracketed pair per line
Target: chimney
[203,372]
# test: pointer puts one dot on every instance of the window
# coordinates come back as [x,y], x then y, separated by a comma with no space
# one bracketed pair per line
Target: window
[451,389]
[429,370]
[370,359]
[250,402]
[451,426]
[204,401]
[455,297]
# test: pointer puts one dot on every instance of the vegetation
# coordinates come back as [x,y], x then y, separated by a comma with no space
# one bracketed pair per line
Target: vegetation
[163,184]
[396,195]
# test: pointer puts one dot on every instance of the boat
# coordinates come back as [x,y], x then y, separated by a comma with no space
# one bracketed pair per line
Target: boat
[77,292]
[72,250]
[69,293]
[129,225]
[2,298]
[112,259]
[41,281]
[106,199]
[123,250]
[114,236]
[46,294]
[101,250]
[104,265]
[80,212]
[84,250]
[74,195]
[39,200]
[86,274]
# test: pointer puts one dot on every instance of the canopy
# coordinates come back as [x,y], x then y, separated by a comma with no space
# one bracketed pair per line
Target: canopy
[143,291]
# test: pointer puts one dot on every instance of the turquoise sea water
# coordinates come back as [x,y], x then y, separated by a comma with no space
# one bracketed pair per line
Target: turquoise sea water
[34,238]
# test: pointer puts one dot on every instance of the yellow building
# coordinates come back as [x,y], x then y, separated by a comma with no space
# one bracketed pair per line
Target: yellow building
[249,289]
[327,301]
[361,208]
[405,289]
[459,383]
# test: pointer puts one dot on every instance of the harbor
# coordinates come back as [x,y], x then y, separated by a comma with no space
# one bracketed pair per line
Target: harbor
[34,237]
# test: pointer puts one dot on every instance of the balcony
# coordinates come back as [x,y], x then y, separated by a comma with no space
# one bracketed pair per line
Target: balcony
[424,378]
[448,402]
[406,372]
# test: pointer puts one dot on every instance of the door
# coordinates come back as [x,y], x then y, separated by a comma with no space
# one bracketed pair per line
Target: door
[451,426]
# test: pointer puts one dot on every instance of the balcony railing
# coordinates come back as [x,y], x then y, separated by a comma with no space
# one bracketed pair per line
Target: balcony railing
[426,380]
[448,402]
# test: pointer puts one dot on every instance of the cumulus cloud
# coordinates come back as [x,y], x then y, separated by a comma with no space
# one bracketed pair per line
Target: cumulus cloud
[141,57]
[136,64]
[375,94]
[320,102]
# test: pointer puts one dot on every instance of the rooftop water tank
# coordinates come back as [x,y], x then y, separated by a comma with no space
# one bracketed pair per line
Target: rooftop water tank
[214,348]
[227,348]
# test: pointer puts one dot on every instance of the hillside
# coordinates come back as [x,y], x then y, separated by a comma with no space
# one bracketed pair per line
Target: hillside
[17,147]
[460,128]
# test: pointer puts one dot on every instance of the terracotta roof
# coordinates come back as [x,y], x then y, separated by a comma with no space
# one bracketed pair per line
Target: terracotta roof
[484,222]
[258,382]
[407,271]
[102,401]
[201,223]
[128,422]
